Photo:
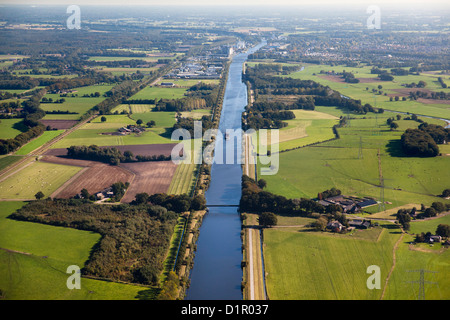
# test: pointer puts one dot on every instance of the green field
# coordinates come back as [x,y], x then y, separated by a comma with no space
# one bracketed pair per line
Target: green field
[78,104]
[358,90]
[6,161]
[93,132]
[307,265]
[9,128]
[38,176]
[39,141]
[306,171]
[415,257]
[159,93]
[105,58]
[35,267]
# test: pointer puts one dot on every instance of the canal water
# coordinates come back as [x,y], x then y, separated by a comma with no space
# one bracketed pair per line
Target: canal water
[217,272]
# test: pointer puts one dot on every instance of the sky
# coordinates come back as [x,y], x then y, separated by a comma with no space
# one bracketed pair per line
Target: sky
[397,3]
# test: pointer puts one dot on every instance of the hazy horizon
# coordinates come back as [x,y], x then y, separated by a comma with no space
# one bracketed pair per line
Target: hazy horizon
[401,4]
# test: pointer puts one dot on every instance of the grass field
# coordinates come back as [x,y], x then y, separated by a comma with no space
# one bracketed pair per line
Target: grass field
[411,258]
[169,262]
[307,127]
[39,141]
[38,176]
[77,104]
[6,161]
[159,93]
[317,265]
[9,128]
[358,91]
[36,263]
[93,132]
[305,172]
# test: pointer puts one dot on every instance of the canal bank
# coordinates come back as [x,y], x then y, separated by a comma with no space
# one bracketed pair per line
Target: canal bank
[217,273]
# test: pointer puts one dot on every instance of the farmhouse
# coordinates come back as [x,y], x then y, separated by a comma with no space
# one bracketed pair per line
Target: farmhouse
[348,204]
[359,224]
[335,226]
[130,129]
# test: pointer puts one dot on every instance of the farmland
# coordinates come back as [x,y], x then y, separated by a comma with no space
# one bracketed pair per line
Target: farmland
[78,104]
[37,176]
[311,265]
[150,177]
[160,93]
[391,88]
[40,256]
[305,172]
[9,128]
[39,141]
[93,176]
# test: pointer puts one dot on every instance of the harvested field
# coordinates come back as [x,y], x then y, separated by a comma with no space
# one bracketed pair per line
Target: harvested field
[59,124]
[150,177]
[433,101]
[404,92]
[369,80]
[340,79]
[332,78]
[139,149]
[95,177]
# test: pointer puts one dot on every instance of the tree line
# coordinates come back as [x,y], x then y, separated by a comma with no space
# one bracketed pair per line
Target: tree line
[110,155]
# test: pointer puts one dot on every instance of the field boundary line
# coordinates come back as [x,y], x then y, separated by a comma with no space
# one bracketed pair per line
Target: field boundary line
[394,258]
[14,172]
[68,182]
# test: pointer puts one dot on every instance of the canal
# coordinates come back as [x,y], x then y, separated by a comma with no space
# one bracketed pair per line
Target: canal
[217,272]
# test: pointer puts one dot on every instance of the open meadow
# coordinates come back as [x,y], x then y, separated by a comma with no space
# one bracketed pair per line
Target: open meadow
[37,176]
[78,104]
[364,89]
[307,265]
[366,152]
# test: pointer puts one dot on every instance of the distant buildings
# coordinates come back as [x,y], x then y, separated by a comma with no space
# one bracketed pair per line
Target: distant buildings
[196,70]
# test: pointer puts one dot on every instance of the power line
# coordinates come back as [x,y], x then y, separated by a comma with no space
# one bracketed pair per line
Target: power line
[360,153]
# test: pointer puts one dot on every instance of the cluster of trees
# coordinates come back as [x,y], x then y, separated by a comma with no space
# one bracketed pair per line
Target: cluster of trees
[15,83]
[177,203]
[442,83]
[183,104]
[423,142]
[333,192]
[272,68]
[110,155]
[384,75]
[31,113]
[322,221]
[142,236]
[404,216]
[442,230]
[420,84]
[414,95]
[118,189]
[336,99]
[188,124]
[268,119]
[255,200]
[349,77]
[50,100]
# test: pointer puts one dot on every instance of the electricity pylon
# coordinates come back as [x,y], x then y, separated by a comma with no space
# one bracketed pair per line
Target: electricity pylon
[421,282]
